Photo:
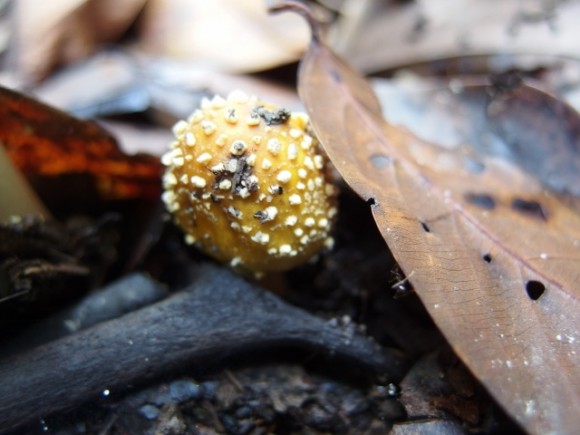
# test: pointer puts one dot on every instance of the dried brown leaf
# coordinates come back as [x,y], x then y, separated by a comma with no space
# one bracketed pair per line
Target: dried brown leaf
[127,81]
[524,124]
[227,35]
[50,34]
[381,35]
[494,257]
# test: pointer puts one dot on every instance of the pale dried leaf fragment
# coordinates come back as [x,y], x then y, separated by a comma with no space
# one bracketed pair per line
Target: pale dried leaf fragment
[57,32]
[232,36]
[376,35]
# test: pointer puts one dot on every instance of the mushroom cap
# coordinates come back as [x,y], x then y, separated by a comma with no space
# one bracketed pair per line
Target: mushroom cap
[249,185]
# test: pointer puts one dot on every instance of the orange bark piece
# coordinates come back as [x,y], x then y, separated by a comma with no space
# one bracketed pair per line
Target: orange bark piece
[46,142]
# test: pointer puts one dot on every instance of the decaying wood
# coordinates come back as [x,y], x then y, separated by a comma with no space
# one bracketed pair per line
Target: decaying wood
[218,316]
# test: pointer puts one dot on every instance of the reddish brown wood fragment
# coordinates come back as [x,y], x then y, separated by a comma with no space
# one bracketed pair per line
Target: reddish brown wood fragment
[44,142]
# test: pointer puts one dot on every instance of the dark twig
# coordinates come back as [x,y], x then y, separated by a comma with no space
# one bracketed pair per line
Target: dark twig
[116,299]
[218,316]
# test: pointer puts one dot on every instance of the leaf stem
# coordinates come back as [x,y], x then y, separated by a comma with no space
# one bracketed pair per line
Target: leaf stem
[277,6]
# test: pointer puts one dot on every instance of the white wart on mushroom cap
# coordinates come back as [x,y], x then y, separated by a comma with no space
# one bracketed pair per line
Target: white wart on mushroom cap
[249,185]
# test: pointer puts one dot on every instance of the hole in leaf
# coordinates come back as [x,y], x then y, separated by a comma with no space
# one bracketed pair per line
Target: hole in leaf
[425,227]
[481,200]
[535,289]
[487,258]
[371,201]
[530,208]
[380,161]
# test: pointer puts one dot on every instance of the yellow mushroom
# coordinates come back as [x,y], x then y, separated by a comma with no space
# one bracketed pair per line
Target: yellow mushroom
[249,185]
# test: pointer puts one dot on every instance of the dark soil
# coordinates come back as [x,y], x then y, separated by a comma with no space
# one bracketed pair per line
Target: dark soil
[296,391]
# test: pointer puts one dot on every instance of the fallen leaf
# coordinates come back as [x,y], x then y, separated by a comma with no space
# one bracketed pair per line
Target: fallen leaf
[541,131]
[522,123]
[385,35]
[108,83]
[228,36]
[493,256]
[128,81]
[58,32]
[45,143]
